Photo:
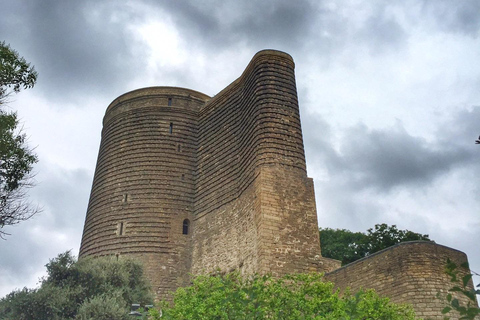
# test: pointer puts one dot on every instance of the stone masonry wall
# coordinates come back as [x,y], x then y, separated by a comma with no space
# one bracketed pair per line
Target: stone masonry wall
[233,168]
[143,187]
[250,155]
[410,272]
[287,223]
[254,121]
[226,239]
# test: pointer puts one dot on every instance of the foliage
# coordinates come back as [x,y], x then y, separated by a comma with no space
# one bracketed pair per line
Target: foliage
[461,277]
[299,296]
[342,244]
[102,307]
[348,246]
[16,158]
[16,161]
[15,72]
[91,288]
[385,236]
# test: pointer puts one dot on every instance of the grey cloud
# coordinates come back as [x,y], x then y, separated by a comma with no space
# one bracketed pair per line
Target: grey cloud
[382,32]
[285,22]
[78,48]
[455,16]
[461,130]
[354,174]
[63,195]
[384,159]
[216,25]
[14,266]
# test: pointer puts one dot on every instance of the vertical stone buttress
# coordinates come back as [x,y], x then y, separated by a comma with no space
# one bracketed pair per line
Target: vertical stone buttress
[254,204]
[143,188]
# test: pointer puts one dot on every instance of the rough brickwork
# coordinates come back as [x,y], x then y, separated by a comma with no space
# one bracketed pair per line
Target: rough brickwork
[188,184]
[410,272]
[254,202]
[144,184]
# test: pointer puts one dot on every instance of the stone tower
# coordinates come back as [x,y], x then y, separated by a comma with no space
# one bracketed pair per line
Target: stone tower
[144,185]
[187,184]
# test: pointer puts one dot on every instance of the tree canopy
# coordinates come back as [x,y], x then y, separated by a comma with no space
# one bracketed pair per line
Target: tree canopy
[16,158]
[299,296]
[91,288]
[348,246]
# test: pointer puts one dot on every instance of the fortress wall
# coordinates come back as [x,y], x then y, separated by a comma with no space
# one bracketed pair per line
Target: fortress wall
[251,153]
[410,272]
[143,186]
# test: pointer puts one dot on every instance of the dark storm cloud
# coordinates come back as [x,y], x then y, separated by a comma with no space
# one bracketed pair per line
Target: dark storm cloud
[78,47]
[216,25]
[381,160]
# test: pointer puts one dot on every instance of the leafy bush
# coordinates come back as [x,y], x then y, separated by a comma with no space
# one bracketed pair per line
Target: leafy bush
[299,296]
[91,288]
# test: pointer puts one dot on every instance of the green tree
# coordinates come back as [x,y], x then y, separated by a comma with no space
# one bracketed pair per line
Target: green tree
[348,246]
[343,245]
[16,158]
[91,288]
[299,296]
[384,236]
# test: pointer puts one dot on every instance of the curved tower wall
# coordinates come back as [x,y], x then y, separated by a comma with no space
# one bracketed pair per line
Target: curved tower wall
[254,205]
[254,122]
[144,186]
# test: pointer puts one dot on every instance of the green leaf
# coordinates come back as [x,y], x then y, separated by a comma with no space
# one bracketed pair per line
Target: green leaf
[465,279]
[446,310]
[455,303]
[465,265]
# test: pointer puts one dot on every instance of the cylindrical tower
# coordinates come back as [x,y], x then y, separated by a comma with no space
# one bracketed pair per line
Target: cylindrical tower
[141,203]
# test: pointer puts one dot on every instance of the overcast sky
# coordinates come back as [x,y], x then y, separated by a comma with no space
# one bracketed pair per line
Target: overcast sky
[389,95]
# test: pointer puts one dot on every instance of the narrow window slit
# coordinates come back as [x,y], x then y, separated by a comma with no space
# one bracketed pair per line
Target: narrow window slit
[125,197]
[169,102]
[183,176]
[179,148]
[186,224]
[121,229]
[171,127]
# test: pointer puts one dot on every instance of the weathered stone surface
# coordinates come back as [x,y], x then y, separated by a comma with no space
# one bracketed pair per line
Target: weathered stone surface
[409,272]
[233,168]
